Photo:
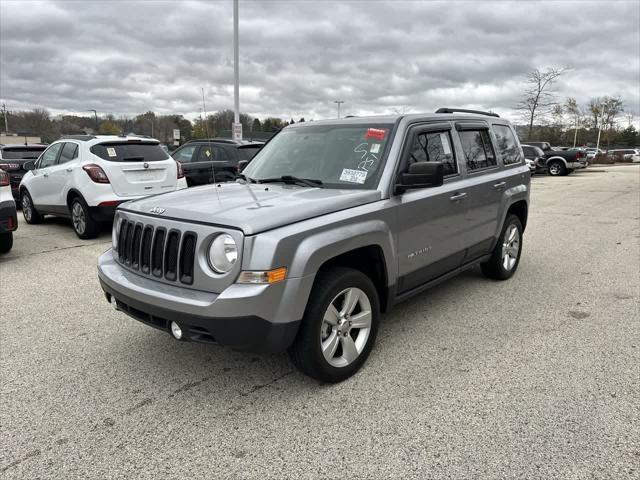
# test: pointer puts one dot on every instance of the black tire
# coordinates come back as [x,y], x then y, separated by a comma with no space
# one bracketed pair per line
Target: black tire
[83,224]
[556,168]
[29,212]
[570,170]
[306,352]
[6,242]
[494,267]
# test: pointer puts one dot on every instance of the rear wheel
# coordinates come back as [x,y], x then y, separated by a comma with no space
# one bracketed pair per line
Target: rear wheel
[29,212]
[557,169]
[339,326]
[84,226]
[6,242]
[506,254]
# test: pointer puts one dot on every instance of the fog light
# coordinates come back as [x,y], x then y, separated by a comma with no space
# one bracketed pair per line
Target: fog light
[176,331]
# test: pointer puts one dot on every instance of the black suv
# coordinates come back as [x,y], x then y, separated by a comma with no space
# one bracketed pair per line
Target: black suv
[12,160]
[213,160]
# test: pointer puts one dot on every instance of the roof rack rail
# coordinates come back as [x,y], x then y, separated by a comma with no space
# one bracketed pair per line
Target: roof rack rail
[218,140]
[464,110]
[78,137]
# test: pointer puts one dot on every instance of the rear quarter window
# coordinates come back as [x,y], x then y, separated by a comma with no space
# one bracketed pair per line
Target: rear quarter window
[130,152]
[247,153]
[507,145]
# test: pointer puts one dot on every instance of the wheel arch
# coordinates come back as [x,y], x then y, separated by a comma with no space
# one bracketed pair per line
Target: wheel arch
[71,194]
[554,158]
[521,210]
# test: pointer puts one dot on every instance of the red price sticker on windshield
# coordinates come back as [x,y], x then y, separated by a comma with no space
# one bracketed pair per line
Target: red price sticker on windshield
[377,133]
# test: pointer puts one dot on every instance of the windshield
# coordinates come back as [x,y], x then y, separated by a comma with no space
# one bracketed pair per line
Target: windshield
[340,156]
[22,153]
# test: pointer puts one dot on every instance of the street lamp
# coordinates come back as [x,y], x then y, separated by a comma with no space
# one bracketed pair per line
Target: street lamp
[339,102]
[95,113]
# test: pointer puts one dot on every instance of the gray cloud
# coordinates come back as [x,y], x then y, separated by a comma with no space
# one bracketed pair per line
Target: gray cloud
[126,57]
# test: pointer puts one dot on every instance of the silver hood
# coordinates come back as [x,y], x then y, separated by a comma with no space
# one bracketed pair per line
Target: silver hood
[252,208]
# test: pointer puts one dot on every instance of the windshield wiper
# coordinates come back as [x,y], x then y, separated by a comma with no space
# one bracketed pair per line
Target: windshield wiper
[245,178]
[288,179]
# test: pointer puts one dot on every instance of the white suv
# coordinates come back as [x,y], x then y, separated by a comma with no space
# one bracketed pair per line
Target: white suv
[86,177]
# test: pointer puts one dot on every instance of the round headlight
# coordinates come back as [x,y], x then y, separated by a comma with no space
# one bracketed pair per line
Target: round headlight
[223,253]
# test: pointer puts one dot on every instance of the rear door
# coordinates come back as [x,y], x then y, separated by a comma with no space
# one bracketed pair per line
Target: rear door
[484,187]
[136,167]
[60,175]
[431,220]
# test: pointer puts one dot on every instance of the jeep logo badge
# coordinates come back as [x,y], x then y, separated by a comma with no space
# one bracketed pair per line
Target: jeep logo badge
[157,210]
[145,165]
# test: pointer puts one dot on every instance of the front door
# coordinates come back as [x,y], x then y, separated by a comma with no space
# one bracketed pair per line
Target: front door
[430,219]
[40,187]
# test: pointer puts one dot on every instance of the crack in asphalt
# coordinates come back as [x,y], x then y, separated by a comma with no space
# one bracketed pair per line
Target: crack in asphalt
[53,250]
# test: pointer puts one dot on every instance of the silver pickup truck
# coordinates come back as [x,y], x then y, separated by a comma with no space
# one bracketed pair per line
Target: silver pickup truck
[332,223]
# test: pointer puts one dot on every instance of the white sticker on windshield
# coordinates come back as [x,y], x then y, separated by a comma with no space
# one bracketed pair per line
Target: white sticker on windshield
[375,148]
[353,176]
[444,140]
[111,152]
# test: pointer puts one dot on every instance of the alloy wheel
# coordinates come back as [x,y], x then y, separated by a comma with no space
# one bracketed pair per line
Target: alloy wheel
[78,218]
[510,247]
[346,327]
[554,169]
[26,208]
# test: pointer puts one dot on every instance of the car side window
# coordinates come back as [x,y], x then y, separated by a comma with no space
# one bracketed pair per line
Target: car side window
[507,145]
[69,152]
[477,148]
[49,156]
[185,154]
[434,147]
[210,153]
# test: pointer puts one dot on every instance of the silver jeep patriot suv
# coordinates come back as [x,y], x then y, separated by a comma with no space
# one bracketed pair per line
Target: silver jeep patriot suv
[332,223]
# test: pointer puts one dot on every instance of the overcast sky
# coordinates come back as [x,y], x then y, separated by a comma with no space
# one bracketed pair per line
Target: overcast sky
[296,57]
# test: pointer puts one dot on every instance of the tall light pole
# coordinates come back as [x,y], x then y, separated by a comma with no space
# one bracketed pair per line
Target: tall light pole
[95,113]
[339,102]
[600,129]
[236,131]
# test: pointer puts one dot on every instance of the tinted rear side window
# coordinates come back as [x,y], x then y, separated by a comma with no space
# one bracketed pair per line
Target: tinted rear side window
[478,152]
[507,145]
[247,153]
[130,152]
[23,153]
[69,152]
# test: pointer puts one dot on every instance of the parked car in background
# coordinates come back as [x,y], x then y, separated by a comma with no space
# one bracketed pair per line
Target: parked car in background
[12,160]
[86,177]
[209,160]
[331,223]
[536,156]
[8,217]
[560,162]
[625,154]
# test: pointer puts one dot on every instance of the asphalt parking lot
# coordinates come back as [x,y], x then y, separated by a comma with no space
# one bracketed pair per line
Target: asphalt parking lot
[537,377]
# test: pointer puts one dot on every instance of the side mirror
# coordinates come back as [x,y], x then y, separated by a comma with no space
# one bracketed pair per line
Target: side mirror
[242,165]
[30,165]
[421,175]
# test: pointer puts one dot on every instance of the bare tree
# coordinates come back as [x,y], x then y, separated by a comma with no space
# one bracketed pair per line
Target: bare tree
[611,108]
[572,108]
[538,97]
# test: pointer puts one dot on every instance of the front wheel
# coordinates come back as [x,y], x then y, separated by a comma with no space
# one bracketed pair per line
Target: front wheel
[6,242]
[339,326]
[84,226]
[29,212]
[506,254]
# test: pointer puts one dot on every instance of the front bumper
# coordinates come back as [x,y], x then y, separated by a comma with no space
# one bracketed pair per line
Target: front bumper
[8,216]
[248,317]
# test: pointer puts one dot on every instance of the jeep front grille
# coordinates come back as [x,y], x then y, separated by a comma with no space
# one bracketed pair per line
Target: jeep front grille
[154,251]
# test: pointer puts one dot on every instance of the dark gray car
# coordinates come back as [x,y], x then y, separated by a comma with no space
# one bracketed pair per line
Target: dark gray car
[333,223]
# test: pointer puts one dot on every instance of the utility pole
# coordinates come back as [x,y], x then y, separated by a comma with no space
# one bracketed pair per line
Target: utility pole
[4,111]
[339,102]
[95,113]
[236,130]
